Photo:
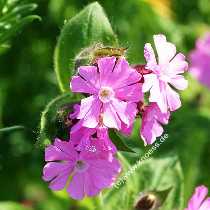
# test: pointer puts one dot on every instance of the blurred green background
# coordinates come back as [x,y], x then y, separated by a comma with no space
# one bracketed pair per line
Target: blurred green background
[28,83]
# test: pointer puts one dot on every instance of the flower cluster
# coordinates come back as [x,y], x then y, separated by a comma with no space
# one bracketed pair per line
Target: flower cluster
[200,60]
[114,98]
[199,200]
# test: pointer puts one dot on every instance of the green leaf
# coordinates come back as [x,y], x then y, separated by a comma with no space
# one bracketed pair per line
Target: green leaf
[53,118]
[9,205]
[89,27]
[12,28]
[190,139]
[161,176]
[21,10]
[171,176]
[119,141]
[14,15]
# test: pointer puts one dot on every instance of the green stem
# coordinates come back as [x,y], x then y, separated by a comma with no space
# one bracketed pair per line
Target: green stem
[12,128]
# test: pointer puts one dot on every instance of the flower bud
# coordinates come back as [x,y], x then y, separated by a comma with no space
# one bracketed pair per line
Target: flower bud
[147,201]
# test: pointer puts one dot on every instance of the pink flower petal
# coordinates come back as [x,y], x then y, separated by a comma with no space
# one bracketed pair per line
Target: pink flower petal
[76,126]
[53,169]
[76,187]
[90,74]
[90,188]
[158,95]
[123,75]
[99,179]
[61,150]
[53,153]
[86,105]
[205,205]
[106,168]
[66,148]
[102,173]
[106,68]
[132,93]
[162,117]
[203,43]
[90,111]
[149,56]
[197,198]
[110,118]
[166,50]
[179,82]
[126,130]
[120,107]
[104,141]
[151,127]
[79,136]
[150,130]
[200,61]
[178,65]
[157,129]
[80,85]
[173,99]
[59,182]
[131,113]
[75,112]
[149,80]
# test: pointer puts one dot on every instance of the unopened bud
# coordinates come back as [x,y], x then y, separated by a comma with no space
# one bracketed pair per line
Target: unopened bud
[147,201]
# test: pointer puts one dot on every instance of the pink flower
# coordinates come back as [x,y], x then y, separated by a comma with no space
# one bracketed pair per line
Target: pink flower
[152,119]
[199,200]
[90,170]
[200,60]
[166,73]
[81,137]
[113,88]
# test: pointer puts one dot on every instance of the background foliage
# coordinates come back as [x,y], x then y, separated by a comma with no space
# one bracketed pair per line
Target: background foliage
[28,83]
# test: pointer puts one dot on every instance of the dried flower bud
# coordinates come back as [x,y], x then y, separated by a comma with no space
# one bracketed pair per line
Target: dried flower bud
[90,55]
[108,52]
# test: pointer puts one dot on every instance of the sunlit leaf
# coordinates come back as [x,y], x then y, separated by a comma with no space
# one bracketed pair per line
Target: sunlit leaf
[89,27]
[12,206]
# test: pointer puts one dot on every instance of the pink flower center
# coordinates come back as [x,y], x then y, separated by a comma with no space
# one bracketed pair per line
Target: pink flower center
[106,94]
[81,166]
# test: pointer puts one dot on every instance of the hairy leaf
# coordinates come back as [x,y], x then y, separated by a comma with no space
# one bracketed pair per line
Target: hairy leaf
[89,27]
[54,119]
[162,177]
